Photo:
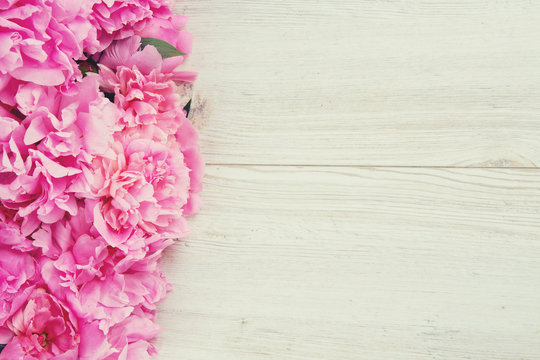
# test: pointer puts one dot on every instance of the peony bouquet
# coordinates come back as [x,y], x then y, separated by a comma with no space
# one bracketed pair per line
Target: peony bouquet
[99,166]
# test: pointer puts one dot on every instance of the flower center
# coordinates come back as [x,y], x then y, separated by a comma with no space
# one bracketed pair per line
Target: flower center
[43,339]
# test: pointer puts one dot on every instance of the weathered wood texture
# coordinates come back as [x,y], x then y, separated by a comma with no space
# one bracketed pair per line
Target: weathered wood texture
[397,239]
[368,82]
[348,263]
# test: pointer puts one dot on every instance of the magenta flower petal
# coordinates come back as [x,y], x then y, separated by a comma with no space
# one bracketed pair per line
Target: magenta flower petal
[98,172]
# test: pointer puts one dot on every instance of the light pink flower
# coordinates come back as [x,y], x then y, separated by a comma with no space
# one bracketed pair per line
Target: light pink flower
[145,93]
[150,97]
[43,329]
[144,187]
[127,53]
[153,100]
[146,99]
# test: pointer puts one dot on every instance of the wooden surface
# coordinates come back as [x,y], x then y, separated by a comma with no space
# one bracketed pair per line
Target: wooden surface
[372,190]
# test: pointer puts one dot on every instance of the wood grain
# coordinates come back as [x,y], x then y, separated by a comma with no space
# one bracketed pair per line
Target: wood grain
[411,229]
[358,263]
[367,82]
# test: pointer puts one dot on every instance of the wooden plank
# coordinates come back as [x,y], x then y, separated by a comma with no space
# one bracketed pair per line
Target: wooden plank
[363,82]
[358,263]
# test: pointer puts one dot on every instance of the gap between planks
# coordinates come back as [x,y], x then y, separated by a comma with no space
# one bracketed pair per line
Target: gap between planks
[378,166]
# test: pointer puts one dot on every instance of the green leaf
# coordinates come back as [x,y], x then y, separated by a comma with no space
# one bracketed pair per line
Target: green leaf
[187,108]
[87,67]
[164,48]
[2,346]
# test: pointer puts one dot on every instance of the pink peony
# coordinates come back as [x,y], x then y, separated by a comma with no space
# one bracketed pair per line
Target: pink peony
[103,294]
[127,53]
[141,89]
[128,340]
[169,30]
[11,232]
[146,99]
[119,19]
[144,187]
[99,282]
[58,121]
[43,155]
[97,174]
[17,277]
[44,329]
[40,40]
[188,139]
[112,298]
[152,99]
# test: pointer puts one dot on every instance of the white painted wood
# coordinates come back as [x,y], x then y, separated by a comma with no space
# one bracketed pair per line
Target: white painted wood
[358,263]
[383,258]
[367,82]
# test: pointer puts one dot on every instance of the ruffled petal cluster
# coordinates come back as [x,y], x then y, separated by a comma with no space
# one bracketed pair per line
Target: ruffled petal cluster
[98,170]
[40,41]
[46,151]
[43,328]
[119,19]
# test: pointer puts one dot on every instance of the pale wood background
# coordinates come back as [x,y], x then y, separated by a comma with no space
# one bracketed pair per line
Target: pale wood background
[372,189]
